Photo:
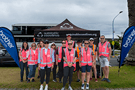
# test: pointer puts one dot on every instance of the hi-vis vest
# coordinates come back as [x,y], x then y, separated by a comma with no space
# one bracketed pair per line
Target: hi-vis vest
[94,47]
[69,56]
[67,43]
[23,54]
[32,58]
[59,54]
[46,59]
[86,57]
[103,49]
[78,52]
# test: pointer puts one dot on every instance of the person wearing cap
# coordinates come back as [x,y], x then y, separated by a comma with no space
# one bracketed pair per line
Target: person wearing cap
[59,59]
[69,39]
[94,48]
[86,62]
[104,53]
[46,63]
[78,49]
[53,46]
[70,56]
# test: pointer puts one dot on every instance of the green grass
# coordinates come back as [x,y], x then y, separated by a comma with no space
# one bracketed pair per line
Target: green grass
[10,78]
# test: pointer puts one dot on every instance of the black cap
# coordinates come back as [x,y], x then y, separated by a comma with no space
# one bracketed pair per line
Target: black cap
[46,41]
[79,41]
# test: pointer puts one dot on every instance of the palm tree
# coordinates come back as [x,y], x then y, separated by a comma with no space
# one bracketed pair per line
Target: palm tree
[131,15]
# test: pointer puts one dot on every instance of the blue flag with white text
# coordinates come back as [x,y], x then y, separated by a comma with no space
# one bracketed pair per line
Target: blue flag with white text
[127,42]
[7,40]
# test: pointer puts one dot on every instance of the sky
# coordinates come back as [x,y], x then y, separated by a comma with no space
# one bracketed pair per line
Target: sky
[86,14]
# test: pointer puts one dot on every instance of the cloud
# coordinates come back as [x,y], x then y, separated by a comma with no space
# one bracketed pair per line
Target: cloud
[87,14]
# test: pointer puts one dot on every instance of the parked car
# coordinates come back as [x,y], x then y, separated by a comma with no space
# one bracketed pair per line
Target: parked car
[118,59]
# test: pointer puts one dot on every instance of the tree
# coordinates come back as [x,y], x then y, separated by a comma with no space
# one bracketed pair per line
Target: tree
[131,15]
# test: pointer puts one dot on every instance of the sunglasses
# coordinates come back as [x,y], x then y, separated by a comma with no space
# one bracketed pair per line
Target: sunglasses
[63,43]
[86,43]
[53,45]
[91,40]
[47,43]
[69,43]
[33,45]
[102,38]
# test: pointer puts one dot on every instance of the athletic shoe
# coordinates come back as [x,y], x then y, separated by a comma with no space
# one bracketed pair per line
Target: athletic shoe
[28,81]
[63,88]
[87,86]
[90,79]
[41,87]
[46,87]
[96,80]
[33,80]
[78,80]
[70,88]
[84,80]
[103,79]
[108,80]
[54,80]
[82,87]
[38,77]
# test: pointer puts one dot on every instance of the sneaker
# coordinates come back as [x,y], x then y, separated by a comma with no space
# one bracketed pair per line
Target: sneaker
[103,79]
[54,80]
[38,77]
[96,80]
[46,87]
[108,80]
[28,81]
[90,79]
[84,80]
[78,80]
[63,88]
[41,87]
[82,87]
[21,80]
[87,86]
[70,88]
[33,80]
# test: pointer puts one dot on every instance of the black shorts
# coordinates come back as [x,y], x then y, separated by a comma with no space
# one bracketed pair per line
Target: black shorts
[77,66]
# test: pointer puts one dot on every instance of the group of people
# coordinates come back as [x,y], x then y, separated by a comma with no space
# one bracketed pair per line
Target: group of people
[68,58]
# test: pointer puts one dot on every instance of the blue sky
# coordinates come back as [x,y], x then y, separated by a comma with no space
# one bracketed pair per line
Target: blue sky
[87,14]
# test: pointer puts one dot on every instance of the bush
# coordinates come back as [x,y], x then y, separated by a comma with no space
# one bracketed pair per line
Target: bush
[116,45]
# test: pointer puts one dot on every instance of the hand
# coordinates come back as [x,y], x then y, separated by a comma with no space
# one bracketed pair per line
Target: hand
[38,67]
[24,61]
[56,63]
[52,67]
[70,65]
[108,58]
[80,64]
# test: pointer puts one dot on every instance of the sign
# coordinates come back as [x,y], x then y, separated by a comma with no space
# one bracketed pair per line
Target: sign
[113,42]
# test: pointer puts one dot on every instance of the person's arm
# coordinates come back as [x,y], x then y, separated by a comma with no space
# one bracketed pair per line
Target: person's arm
[53,60]
[75,57]
[110,51]
[39,60]
[20,56]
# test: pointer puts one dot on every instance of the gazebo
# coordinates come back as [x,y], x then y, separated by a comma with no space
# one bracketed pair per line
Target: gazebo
[58,33]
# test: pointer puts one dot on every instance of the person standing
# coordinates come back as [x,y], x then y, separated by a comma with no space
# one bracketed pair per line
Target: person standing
[78,49]
[86,56]
[69,39]
[104,53]
[23,60]
[70,56]
[46,62]
[94,48]
[59,59]
[53,46]
[32,56]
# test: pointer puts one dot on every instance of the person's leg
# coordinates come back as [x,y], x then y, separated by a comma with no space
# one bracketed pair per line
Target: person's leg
[22,70]
[27,71]
[95,71]
[66,73]
[88,68]
[71,69]
[54,72]
[60,71]
[48,71]
[77,69]
[34,71]
[42,75]
[83,68]
[31,71]
[91,74]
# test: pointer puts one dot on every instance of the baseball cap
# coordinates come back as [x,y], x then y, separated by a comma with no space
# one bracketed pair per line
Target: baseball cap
[68,35]
[91,39]
[46,41]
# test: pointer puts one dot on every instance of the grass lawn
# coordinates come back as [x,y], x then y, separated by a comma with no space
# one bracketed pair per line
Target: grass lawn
[10,78]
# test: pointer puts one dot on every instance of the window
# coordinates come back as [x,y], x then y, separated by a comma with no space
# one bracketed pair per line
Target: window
[16,28]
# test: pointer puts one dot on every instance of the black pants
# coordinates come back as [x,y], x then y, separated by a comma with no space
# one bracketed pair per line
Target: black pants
[60,70]
[54,72]
[68,71]
[42,74]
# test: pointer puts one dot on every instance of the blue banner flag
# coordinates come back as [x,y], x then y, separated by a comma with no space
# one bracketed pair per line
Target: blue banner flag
[127,42]
[7,40]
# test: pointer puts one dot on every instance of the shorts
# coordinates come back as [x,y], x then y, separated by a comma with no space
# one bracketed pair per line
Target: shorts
[84,68]
[104,62]
[77,66]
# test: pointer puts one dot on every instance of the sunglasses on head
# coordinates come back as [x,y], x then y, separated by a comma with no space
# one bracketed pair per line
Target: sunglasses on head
[86,43]
[69,43]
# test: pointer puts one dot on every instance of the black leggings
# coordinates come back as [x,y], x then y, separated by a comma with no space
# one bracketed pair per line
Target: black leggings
[54,72]
[42,74]
[68,71]
[60,70]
